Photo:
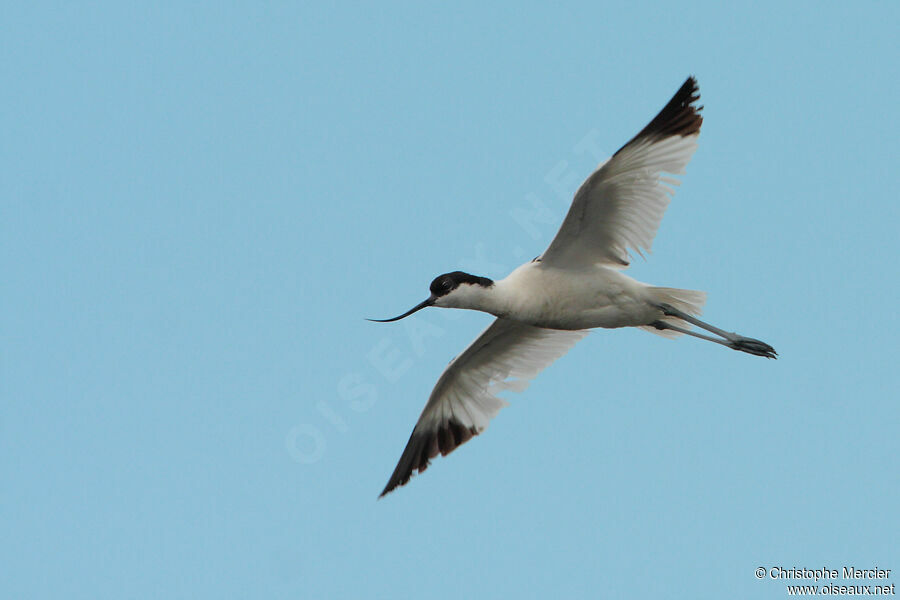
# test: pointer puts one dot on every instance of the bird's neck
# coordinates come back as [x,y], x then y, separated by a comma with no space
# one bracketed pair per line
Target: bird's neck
[491,299]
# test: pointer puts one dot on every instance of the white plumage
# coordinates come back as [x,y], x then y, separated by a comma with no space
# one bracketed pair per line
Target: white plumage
[544,307]
[621,205]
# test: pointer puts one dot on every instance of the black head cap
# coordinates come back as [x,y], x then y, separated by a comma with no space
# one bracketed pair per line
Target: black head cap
[446,283]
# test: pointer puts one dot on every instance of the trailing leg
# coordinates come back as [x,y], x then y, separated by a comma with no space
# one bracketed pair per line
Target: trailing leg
[730,339]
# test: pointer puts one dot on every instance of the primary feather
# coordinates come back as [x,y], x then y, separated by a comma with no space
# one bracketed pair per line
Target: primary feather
[507,355]
[619,207]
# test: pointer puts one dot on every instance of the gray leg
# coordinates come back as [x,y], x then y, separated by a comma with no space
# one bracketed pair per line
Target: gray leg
[709,338]
[732,340]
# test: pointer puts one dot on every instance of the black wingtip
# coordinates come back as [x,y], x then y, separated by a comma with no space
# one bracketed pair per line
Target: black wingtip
[681,116]
[425,445]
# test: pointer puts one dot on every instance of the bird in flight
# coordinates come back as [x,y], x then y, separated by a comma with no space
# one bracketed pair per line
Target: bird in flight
[545,306]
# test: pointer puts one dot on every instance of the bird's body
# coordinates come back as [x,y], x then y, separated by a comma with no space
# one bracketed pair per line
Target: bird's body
[557,298]
[545,306]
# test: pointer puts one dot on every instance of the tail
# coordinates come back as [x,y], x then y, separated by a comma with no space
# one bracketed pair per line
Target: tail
[688,301]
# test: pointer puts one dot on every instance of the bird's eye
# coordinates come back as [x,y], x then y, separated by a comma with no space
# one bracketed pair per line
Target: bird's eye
[446,284]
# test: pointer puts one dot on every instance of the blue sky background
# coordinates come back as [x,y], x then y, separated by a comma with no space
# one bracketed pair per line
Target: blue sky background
[201,203]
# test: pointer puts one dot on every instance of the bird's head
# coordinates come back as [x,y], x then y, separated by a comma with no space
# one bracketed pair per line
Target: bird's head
[451,290]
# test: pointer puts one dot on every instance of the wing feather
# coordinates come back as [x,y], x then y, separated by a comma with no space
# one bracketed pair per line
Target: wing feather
[620,206]
[507,355]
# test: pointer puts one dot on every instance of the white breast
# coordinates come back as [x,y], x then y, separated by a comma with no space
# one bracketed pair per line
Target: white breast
[563,299]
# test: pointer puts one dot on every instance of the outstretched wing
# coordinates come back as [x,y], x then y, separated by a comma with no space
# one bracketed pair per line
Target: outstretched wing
[507,355]
[619,207]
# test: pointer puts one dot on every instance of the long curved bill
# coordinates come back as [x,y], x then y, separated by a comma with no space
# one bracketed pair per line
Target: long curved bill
[416,308]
